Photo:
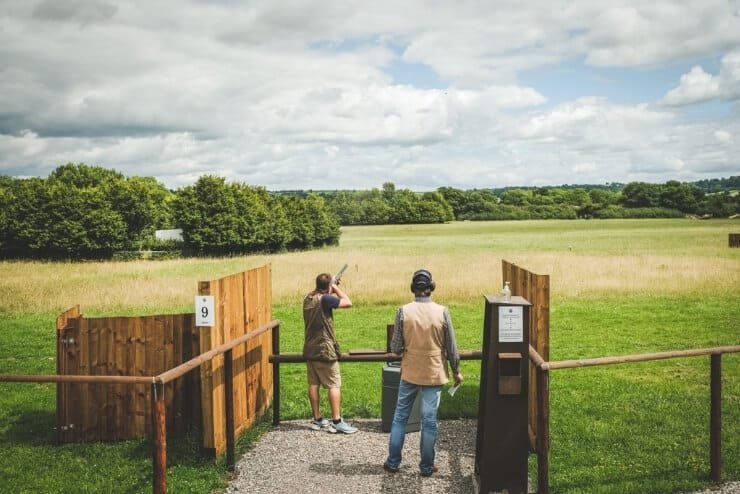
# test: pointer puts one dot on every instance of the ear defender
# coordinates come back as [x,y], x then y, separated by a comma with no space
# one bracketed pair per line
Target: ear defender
[421,280]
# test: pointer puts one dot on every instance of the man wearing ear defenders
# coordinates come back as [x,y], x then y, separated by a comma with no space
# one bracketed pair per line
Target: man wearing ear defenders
[425,339]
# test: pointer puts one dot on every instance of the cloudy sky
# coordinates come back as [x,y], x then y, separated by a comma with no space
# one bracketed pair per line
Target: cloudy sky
[351,94]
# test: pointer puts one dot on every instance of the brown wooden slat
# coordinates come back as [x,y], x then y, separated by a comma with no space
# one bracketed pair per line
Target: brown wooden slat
[139,393]
[150,345]
[206,375]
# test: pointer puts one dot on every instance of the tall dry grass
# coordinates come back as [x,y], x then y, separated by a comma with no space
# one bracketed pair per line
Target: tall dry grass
[373,277]
[583,259]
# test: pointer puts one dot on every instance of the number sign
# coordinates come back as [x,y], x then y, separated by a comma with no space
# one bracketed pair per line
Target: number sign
[205,315]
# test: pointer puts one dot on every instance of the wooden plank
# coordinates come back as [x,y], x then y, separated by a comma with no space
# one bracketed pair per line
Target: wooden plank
[643,357]
[107,334]
[120,424]
[205,340]
[168,362]
[76,364]
[219,434]
[266,372]
[239,369]
[64,322]
[95,400]
[252,282]
[178,386]
[543,438]
[130,391]
[194,391]
[150,363]
[159,439]
[139,395]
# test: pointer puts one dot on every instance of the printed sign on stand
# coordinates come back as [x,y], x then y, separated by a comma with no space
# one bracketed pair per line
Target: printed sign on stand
[205,315]
[510,324]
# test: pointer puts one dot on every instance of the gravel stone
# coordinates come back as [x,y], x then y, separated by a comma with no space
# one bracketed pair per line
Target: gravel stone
[293,458]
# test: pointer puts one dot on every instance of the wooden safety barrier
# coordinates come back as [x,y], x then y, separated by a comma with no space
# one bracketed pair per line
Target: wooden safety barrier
[535,288]
[543,368]
[158,410]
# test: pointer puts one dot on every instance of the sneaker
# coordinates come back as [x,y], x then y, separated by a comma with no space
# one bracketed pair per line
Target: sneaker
[389,468]
[430,472]
[319,424]
[342,426]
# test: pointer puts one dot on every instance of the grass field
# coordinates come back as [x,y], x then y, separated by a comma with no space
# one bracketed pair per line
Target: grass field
[617,287]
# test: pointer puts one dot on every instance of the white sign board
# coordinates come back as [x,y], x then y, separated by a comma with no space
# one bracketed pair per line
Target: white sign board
[511,324]
[205,315]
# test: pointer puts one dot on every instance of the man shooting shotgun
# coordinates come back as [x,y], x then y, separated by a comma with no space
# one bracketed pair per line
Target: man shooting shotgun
[321,350]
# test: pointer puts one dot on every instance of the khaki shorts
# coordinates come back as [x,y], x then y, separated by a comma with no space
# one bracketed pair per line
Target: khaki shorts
[325,374]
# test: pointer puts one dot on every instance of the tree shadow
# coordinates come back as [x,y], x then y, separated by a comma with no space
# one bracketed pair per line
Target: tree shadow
[30,427]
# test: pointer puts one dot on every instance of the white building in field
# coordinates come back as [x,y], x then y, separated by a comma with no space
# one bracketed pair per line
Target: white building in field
[175,234]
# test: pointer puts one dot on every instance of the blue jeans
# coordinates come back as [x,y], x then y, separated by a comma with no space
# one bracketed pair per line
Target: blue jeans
[429,405]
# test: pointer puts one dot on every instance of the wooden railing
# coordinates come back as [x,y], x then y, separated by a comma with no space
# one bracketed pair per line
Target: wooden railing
[278,358]
[543,369]
[158,409]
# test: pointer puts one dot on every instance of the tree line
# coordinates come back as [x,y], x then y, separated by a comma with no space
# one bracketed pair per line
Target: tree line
[672,199]
[89,212]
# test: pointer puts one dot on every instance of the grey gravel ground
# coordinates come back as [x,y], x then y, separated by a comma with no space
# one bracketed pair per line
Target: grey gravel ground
[294,458]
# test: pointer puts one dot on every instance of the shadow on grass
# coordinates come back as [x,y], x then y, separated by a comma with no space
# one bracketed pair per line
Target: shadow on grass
[30,427]
[38,428]
[667,480]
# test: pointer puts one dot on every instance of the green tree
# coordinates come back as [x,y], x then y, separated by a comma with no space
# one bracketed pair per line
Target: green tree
[207,214]
[144,205]
[55,219]
[641,195]
[80,175]
[682,196]
[516,197]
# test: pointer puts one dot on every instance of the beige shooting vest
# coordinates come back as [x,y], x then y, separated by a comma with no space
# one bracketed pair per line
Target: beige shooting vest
[423,359]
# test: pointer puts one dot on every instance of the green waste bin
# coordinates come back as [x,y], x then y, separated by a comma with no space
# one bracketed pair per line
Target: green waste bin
[391,378]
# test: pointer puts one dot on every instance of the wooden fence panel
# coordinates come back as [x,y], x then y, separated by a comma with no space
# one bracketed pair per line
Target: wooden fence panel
[122,346]
[258,311]
[536,289]
[242,303]
[150,345]
[67,330]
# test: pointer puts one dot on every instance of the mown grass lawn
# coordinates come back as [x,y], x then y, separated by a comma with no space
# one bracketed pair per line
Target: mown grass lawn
[617,287]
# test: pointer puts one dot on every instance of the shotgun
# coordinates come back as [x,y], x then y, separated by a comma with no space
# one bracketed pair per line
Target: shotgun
[338,277]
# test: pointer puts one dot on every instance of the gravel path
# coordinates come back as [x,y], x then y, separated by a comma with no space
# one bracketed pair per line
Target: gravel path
[294,458]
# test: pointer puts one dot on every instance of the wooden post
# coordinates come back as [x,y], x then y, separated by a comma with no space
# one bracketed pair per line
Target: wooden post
[229,391]
[276,376]
[543,431]
[159,439]
[715,420]
[389,330]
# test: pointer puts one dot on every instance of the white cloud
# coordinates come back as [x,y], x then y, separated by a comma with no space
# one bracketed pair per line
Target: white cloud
[646,33]
[697,86]
[299,94]
[722,136]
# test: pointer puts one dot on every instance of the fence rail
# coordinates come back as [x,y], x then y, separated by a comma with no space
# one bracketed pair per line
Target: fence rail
[543,368]
[158,409]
